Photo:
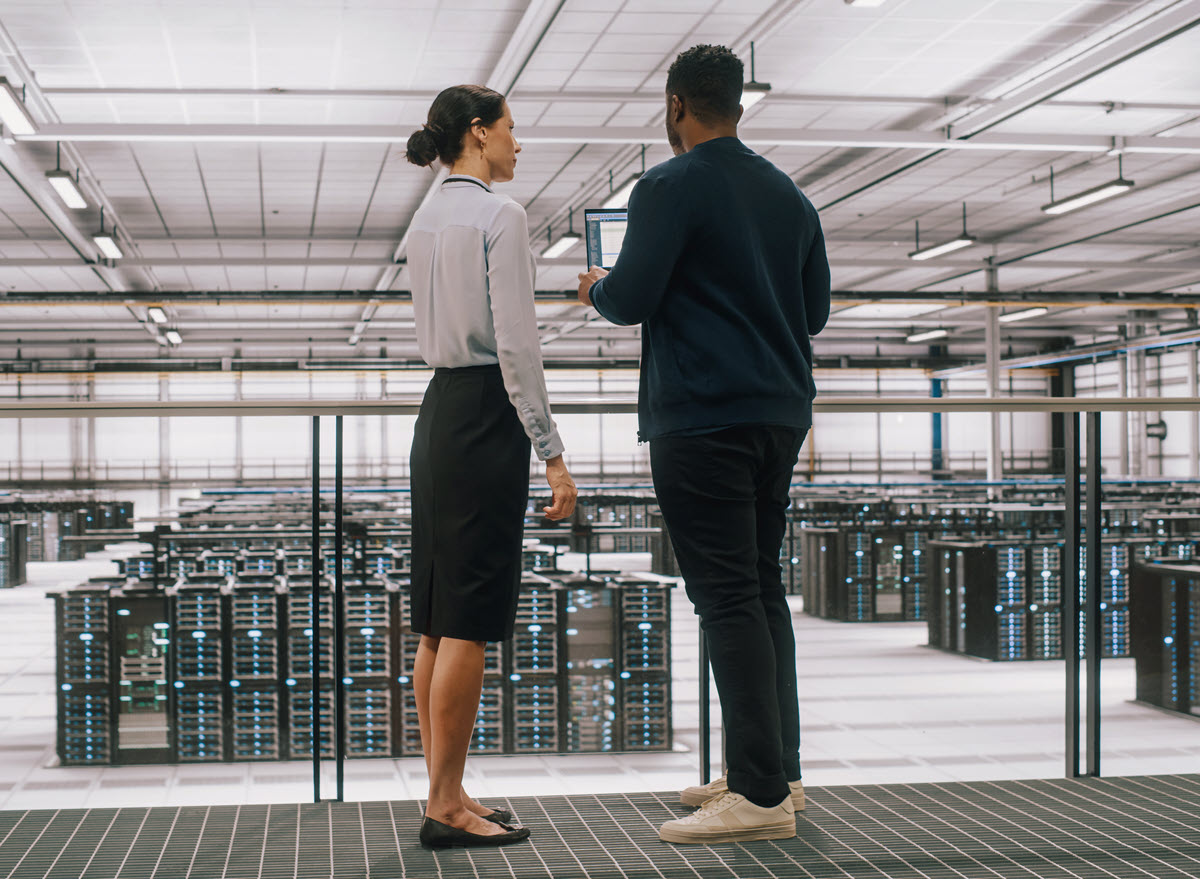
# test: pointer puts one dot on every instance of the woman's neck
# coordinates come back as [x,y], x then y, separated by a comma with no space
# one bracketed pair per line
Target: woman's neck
[473,166]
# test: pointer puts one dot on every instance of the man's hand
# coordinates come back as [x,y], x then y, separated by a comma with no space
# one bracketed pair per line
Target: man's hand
[562,504]
[585,284]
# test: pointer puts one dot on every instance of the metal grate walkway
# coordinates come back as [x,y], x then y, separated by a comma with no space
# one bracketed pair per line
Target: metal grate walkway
[1046,829]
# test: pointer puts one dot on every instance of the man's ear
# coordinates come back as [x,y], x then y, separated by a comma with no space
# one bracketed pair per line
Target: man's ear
[678,109]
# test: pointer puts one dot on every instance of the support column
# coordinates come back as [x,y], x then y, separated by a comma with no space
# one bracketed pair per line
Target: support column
[937,461]
[75,437]
[1062,384]
[90,392]
[1137,439]
[878,432]
[1194,417]
[20,434]
[385,450]
[992,343]
[239,448]
[164,449]
[1123,391]
[362,467]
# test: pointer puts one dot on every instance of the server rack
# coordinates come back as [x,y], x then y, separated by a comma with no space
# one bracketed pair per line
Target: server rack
[255,633]
[198,624]
[590,656]
[218,668]
[301,637]
[864,575]
[84,678]
[996,600]
[369,611]
[1165,600]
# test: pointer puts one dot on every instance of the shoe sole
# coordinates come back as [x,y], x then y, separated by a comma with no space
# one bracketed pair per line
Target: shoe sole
[781,830]
[688,798]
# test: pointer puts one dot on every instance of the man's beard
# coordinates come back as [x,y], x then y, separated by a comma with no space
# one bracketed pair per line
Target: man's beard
[674,139]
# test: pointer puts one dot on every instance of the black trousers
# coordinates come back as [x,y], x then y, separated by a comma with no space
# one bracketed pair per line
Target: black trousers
[724,498]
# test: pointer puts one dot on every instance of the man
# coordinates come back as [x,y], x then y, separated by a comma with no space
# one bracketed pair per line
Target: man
[724,267]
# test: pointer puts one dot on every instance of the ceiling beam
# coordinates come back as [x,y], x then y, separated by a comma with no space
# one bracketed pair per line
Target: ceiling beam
[1062,299]
[581,96]
[796,137]
[1082,352]
[1153,30]
[1123,39]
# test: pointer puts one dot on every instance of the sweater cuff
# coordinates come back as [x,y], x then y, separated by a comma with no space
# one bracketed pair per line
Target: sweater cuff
[549,446]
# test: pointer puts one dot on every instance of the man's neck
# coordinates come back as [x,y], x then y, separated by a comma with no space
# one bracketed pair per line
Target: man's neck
[704,135]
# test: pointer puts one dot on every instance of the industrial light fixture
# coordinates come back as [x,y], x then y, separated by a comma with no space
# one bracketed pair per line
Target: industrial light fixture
[173,337]
[1089,196]
[156,314]
[618,196]
[963,240]
[1013,316]
[928,336]
[753,91]
[556,248]
[106,242]
[12,110]
[66,186]
[865,3]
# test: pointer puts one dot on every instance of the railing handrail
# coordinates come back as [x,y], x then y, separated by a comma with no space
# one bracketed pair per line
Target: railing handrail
[575,405]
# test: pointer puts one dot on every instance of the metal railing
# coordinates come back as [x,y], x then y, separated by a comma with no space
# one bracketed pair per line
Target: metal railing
[1087,659]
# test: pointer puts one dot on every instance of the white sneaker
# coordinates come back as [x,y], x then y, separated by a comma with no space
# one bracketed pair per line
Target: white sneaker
[700,794]
[731,817]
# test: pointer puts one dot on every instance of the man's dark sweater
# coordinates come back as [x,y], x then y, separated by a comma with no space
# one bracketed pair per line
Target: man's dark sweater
[724,266]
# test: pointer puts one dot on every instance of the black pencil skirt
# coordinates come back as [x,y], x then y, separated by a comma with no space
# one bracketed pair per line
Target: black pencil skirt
[470,487]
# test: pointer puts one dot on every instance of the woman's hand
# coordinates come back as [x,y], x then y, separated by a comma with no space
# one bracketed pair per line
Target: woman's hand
[562,504]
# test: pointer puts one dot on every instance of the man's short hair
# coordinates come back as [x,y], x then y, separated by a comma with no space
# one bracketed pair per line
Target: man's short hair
[709,80]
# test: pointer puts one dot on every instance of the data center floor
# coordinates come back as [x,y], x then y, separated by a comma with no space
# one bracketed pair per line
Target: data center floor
[877,707]
[1070,828]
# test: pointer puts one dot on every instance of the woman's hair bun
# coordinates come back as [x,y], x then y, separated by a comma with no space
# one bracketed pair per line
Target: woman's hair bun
[422,147]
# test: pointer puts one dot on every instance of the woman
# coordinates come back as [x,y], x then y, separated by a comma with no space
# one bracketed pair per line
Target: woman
[472,282]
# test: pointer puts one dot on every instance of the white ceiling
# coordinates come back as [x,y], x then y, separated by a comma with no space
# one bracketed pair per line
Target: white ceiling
[321,207]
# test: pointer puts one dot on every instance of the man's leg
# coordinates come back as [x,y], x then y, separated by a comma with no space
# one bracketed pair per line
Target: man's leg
[706,489]
[780,449]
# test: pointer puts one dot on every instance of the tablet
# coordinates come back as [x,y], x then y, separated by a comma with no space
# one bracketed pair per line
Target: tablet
[605,232]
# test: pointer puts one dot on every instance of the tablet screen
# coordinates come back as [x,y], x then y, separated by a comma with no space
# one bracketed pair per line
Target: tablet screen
[605,232]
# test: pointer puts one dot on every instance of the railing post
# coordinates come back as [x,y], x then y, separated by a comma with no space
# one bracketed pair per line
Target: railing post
[1070,589]
[705,719]
[339,622]
[316,606]
[1093,649]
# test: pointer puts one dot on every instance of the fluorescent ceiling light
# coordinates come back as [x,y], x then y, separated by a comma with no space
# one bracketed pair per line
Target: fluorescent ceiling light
[562,245]
[753,92]
[1089,196]
[12,112]
[174,338]
[108,245]
[64,185]
[865,3]
[928,336]
[1037,311]
[945,247]
[619,197]
[156,314]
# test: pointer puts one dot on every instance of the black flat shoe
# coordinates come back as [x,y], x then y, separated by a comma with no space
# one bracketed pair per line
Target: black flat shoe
[435,834]
[499,816]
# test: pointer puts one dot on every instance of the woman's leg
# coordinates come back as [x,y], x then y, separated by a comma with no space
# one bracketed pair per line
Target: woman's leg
[454,685]
[422,678]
